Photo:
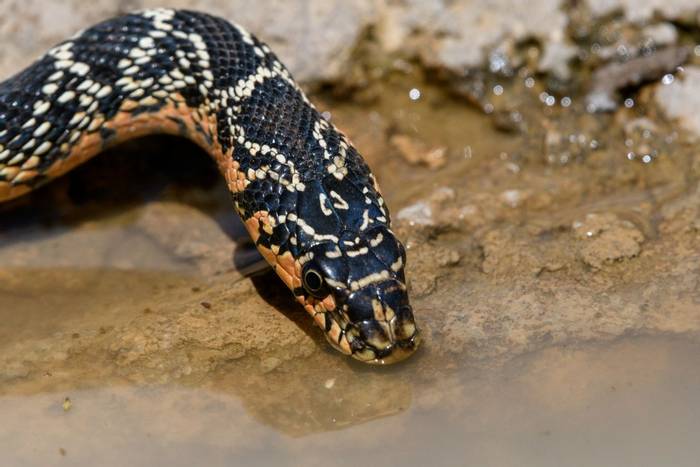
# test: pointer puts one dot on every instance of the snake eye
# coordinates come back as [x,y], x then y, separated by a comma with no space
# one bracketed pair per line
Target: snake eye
[313,282]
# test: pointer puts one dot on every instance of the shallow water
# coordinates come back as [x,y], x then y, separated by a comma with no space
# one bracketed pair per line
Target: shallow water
[631,402]
[559,302]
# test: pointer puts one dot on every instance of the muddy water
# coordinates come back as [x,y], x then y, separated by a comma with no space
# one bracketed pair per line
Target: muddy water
[555,279]
[631,402]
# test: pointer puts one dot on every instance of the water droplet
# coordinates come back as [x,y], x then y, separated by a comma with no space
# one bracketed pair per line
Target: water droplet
[498,62]
[696,50]
[629,103]
[646,158]
[498,89]
[668,79]
[530,82]
[550,101]
[622,50]
[414,94]
[566,101]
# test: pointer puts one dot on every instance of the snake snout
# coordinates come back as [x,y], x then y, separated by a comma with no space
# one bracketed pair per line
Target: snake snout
[390,334]
[381,344]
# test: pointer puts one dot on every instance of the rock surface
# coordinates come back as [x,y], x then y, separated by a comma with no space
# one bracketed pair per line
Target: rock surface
[464,32]
[315,39]
[644,10]
[681,99]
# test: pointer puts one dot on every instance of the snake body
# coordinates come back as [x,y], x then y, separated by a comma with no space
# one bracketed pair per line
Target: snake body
[305,194]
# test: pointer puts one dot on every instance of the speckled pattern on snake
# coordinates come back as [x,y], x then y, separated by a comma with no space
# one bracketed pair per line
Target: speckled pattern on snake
[305,194]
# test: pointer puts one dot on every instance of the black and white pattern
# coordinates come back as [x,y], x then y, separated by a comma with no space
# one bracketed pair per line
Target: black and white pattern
[312,194]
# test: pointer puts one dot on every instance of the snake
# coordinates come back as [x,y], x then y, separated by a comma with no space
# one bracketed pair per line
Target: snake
[306,196]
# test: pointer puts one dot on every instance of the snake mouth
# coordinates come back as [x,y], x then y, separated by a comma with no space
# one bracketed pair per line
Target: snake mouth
[382,342]
[393,353]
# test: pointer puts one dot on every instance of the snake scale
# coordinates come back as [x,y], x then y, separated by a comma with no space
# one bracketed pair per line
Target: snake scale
[304,193]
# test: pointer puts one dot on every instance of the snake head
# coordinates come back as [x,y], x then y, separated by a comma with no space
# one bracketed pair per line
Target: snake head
[356,291]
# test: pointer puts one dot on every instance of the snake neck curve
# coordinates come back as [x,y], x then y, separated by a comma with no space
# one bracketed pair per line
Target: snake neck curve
[305,194]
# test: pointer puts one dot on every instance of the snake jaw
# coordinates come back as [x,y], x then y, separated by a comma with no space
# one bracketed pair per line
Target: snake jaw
[383,336]
[392,354]
[376,341]
[387,342]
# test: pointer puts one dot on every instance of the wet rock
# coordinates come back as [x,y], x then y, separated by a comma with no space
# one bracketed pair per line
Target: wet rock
[417,153]
[429,212]
[419,213]
[448,258]
[429,262]
[402,20]
[682,214]
[644,10]
[681,98]
[190,235]
[184,338]
[507,251]
[611,78]
[442,195]
[605,238]
[13,369]
[457,36]
[556,59]
[662,34]
[468,30]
